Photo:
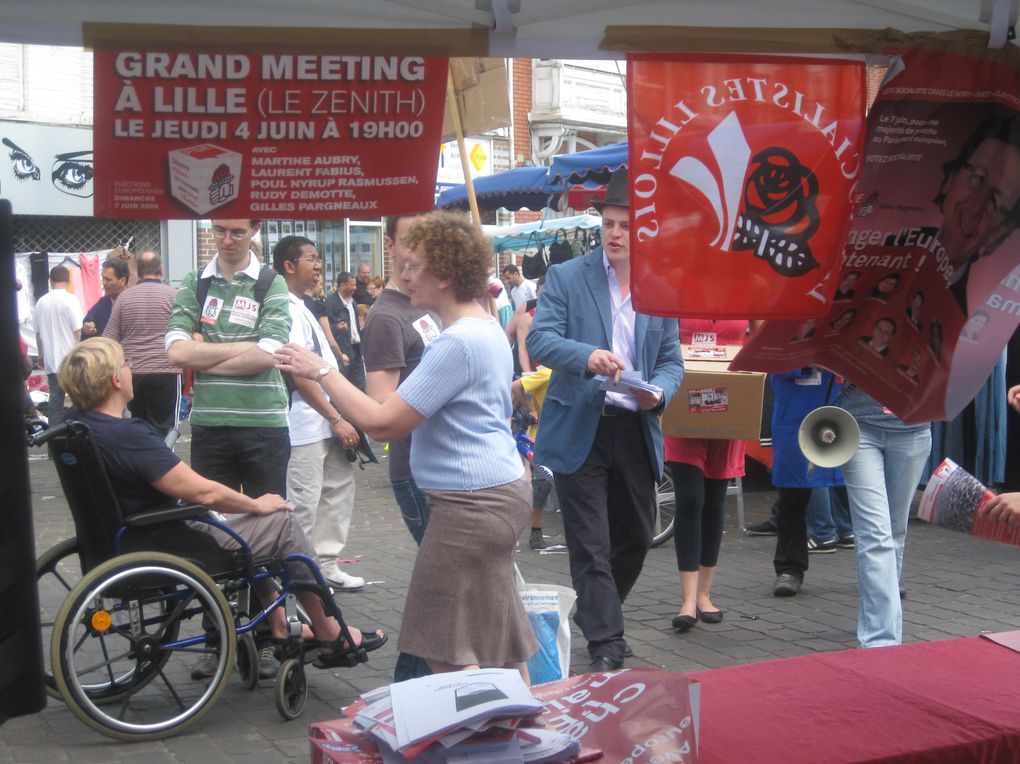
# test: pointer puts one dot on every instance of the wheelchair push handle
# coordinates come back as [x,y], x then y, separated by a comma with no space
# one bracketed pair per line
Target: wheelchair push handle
[38,437]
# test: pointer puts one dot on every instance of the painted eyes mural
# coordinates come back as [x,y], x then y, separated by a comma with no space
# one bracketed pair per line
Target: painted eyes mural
[71,172]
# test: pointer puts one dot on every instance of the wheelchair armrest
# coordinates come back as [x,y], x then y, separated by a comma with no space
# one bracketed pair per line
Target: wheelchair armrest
[154,516]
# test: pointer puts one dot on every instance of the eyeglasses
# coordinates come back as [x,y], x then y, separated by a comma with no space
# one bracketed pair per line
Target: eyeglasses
[996,206]
[236,234]
[410,267]
[313,260]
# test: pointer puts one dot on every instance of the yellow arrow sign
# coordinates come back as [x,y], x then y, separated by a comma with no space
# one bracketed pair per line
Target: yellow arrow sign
[478,156]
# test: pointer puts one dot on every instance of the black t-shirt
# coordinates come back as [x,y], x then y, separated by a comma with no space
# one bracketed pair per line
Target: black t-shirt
[135,457]
[316,307]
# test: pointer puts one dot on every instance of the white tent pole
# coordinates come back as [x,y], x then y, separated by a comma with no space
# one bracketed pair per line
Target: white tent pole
[456,12]
[925,14]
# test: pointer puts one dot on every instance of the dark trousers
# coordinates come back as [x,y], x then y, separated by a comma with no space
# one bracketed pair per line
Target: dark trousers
[607,520]
[355,369]
[156,399]
[700,516]
[249,459]
[55,406]
[791,526]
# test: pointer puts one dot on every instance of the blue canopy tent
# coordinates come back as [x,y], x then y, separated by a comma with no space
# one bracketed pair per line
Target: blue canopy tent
[529,235]
[591,167]
[521,187]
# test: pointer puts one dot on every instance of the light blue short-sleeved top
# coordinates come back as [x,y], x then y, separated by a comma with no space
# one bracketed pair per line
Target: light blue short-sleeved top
[462,388]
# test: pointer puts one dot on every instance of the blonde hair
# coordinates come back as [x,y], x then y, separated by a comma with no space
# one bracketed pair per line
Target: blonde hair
[86,372]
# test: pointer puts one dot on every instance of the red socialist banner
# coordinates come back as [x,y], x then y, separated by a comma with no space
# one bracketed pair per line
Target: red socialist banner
[182,134]
[641,716]
[929,288]
[742,172]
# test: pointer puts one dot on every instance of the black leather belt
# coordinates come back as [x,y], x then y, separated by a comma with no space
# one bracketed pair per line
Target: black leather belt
[610,410]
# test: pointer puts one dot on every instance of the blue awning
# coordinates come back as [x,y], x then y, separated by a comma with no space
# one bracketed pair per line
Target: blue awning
[524,235]
[593,166]
[521,187]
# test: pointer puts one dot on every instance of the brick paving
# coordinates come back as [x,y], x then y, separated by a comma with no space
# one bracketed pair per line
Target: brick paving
[957,586]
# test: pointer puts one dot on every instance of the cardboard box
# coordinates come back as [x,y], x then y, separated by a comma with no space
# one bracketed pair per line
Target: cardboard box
[713,402]
[204,177]
[484,105]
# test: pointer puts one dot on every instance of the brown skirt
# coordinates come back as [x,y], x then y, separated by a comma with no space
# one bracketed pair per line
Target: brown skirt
[462,605]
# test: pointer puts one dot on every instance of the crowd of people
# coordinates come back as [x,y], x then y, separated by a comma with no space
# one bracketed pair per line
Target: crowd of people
[286,384]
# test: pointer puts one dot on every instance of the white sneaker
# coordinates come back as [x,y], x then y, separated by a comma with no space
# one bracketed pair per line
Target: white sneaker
[342,581]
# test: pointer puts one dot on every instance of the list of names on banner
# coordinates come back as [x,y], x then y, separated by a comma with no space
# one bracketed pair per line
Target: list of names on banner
[183,134]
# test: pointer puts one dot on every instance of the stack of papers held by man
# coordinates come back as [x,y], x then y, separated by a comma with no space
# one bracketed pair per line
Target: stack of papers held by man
[628,382]
[464,717]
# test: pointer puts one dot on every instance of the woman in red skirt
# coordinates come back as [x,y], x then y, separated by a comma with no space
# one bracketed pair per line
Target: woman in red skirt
[701,470]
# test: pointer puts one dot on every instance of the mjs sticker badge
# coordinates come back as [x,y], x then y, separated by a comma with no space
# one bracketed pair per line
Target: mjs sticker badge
[742,175]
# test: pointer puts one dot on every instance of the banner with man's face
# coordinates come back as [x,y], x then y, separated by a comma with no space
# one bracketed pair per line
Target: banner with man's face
[929,289]
[742,172]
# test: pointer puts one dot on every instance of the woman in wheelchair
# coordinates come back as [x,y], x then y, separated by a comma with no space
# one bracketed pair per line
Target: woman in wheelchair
[146,474]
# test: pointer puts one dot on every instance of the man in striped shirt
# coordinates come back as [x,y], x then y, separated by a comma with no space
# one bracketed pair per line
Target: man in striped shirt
[239,414]
[138,322]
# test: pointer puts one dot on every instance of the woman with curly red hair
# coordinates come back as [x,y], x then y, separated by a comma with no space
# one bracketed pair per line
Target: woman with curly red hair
[462,607]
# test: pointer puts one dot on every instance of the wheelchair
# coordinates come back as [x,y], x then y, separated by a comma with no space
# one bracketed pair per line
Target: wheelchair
[124,630]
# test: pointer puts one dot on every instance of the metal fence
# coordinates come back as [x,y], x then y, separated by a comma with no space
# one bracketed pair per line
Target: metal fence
[35,233]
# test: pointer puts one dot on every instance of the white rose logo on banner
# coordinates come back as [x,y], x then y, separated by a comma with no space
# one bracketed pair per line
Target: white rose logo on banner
[778,200]
[743,174]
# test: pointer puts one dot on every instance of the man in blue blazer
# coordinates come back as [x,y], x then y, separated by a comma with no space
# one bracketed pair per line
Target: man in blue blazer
[604,448]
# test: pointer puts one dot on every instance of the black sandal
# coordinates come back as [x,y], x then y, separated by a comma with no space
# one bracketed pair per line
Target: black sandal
[344,655]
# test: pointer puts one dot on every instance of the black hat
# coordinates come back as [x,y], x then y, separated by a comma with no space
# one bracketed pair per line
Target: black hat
[617,192]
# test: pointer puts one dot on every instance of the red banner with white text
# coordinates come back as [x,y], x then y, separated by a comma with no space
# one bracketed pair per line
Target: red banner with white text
[929,288]
[742,172]
[185,134]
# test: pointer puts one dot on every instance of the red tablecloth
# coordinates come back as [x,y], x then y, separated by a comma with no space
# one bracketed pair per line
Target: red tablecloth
[939,702]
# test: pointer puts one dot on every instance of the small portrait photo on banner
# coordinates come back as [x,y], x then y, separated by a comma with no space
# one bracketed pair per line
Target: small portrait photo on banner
[930,260]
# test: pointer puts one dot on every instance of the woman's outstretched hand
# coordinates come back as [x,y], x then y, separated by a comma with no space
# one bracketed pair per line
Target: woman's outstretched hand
[299,361]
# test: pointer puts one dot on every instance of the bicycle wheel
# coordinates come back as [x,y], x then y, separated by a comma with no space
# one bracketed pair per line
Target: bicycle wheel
[134,625]
[665,510]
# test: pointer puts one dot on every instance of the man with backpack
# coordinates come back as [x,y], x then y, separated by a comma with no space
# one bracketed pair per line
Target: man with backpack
[320,478]
[228,320]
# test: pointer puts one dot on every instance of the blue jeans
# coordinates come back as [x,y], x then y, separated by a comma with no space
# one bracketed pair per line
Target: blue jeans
[415,510]
[414,507]
[881,480]
[828,514]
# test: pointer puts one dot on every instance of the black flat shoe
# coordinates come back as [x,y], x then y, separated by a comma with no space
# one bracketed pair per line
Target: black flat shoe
[682,623]
[710,616]
[343,655]
[603,664]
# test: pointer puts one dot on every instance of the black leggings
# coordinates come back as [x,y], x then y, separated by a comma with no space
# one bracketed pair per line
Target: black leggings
[700,515]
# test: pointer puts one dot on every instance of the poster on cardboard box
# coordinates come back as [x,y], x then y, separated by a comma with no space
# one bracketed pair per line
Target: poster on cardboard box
[928,292]
[708,400]
[741,172]
[309,134]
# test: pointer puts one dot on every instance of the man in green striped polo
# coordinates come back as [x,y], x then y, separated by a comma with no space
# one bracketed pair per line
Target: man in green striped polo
[239,413]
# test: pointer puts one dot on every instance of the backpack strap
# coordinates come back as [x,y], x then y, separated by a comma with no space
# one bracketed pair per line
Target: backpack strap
[262,284]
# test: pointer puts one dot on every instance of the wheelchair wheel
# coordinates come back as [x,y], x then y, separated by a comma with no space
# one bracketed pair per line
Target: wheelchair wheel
[665,510]
[291,689]
[56,572]
[138,623]
[248,661]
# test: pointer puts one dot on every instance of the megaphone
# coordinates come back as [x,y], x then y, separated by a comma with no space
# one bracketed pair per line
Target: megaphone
[828,437]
